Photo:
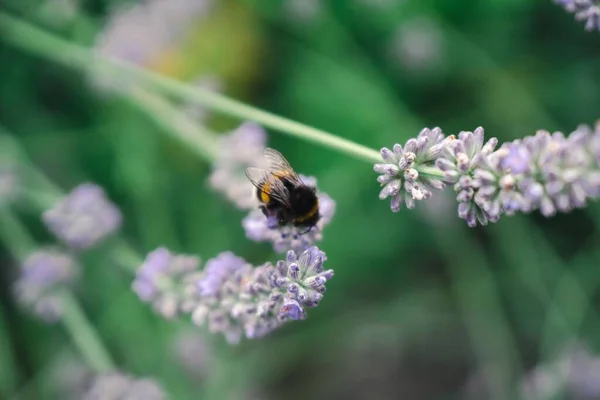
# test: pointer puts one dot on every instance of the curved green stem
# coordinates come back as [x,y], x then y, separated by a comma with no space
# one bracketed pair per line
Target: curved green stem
[201,141]
[34,40]
[432,172]
[83,334]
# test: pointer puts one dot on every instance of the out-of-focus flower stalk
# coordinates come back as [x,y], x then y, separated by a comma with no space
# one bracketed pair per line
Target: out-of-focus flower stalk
[18,241]
[199,139]
[34,40]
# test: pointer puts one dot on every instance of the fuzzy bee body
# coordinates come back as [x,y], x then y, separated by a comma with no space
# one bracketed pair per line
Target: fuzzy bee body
[284,197]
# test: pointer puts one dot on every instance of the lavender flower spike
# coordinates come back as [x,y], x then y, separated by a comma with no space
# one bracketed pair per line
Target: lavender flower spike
[584,10]
[166,280]
[290,237]
[409,173]
[117,386]
[43,272]
[549,172]
[242,148]
[84,217]
[236,299]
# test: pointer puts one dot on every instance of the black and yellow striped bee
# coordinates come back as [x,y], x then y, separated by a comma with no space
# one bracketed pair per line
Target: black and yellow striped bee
[283,196]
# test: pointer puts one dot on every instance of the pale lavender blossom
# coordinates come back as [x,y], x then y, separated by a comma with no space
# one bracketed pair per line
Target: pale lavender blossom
[303,10]
[194,353]
[584,10]
[575,373]
[546,172]
[142,32]
[244,147]
[84,217]
[166,280]
[118,386]
[417,45]
[290,237]
[465,163]
[43,274]
[408,173]
[253,302]
[217,290]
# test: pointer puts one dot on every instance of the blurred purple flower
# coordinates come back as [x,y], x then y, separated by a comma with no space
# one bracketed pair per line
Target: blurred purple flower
[584,10]
[303,10]
[575,373]
[290,237]
[242,148]
[84,217]
[43,273]
[70,376]
[117,386]
[165,280]
[141,32]
[194,353]
[418,45]
[256,301]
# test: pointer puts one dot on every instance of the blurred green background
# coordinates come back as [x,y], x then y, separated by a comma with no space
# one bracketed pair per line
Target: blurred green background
[419,302]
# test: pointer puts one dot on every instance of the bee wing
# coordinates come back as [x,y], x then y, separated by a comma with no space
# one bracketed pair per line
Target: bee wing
[277,190]
[277,163]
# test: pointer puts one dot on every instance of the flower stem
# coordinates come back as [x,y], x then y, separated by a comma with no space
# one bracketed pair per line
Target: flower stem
[432,172]
[18,241]
[37,41]
[83,334]
[200,140]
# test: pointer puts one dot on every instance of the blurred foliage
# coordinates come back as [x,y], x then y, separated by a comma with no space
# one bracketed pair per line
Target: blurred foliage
[419,301]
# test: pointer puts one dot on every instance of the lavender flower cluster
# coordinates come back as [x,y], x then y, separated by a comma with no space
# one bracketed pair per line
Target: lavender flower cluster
[549,172]
[234,298]
[584,10]
[142,33]
[81,220]
[44,273]
[574,373]
[240,149]
[163,281]
[84,217]
[118,386]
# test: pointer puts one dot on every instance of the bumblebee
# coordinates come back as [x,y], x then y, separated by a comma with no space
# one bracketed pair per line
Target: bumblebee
[284,198]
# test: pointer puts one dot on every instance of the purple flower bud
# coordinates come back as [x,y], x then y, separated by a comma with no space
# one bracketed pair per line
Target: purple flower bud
[291,309]
[157,281]
[517,160]
[84,217]
[43,273]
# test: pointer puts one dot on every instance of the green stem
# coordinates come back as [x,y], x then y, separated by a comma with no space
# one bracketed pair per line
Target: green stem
[83,334]
[18,241]
[201,141]
[477,293]
[431,172]
[32,39]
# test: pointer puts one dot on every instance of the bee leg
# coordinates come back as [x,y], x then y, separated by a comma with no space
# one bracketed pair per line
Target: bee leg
[306,231]
[264,210]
